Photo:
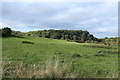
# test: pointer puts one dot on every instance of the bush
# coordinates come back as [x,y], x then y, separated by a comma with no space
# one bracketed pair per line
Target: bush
[6,32]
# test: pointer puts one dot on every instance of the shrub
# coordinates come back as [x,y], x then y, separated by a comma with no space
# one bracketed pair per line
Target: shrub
[6,32]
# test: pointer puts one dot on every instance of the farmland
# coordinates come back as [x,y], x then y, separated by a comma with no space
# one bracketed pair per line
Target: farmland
[84,60]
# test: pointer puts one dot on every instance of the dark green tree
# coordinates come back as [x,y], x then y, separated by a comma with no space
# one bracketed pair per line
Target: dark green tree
[6,32]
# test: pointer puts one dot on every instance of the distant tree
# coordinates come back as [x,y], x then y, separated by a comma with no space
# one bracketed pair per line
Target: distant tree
[71,35]
[74,37]
[6,32]
[82,40]
[47,35]
[106,37]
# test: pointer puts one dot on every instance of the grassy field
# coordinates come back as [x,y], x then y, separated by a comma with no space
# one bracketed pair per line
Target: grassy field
[81,59]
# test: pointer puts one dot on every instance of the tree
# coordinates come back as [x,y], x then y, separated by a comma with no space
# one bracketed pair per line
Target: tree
[6,32]
[74,37]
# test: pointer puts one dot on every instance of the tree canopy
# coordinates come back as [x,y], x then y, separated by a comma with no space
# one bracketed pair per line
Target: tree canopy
[71,35]
[6,32]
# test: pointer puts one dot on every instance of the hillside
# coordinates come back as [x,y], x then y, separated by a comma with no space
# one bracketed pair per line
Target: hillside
[81,60]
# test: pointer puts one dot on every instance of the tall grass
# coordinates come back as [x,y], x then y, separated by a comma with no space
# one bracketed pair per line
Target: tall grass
[52,69]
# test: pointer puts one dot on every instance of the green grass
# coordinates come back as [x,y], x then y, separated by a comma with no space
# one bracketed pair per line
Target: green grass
[44,49]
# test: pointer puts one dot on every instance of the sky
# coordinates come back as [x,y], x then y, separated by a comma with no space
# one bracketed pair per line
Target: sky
[99,18]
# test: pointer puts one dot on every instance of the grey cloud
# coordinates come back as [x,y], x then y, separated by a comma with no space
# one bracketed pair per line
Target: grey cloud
[86,16]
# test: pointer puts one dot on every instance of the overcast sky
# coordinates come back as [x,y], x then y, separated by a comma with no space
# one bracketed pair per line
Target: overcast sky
[99,18]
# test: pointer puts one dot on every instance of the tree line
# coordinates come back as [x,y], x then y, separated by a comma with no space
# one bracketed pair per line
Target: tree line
[69,35]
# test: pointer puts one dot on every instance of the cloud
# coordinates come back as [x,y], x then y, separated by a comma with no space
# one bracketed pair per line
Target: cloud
[96,17]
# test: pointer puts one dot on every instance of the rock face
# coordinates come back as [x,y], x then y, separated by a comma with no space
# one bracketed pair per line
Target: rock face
[27,42]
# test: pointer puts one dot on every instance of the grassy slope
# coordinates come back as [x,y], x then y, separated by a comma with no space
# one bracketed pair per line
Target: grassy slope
[47,49]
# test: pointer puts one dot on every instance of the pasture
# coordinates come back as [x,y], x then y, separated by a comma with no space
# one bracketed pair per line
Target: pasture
[84,60]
